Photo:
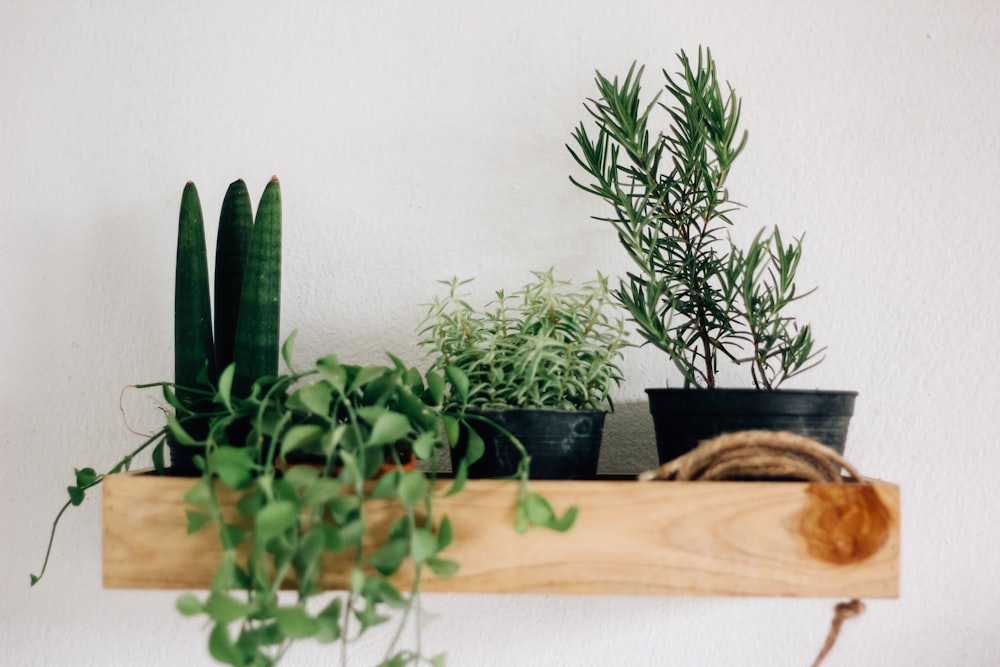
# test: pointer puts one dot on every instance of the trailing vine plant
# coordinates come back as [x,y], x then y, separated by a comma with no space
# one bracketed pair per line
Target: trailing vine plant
[695,294]
[294,496]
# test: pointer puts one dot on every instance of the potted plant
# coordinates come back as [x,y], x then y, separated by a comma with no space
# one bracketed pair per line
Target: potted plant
[695,294]
[539,364]
[244,435]
[247,304]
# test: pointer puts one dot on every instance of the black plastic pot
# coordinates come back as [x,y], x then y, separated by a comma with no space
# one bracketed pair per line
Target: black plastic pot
[563,444]
[684,417]
[182,458]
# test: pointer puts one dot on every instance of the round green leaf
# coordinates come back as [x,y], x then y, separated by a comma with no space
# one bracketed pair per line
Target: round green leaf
[275,518]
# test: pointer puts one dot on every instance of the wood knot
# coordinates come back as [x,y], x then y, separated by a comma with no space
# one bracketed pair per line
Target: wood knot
[843,523]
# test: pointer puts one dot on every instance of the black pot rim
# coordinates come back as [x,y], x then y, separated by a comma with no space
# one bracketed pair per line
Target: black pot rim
[749,401]
[529,411]
[746,390]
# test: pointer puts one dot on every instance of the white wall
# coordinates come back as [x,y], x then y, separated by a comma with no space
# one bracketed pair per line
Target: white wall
[417,140]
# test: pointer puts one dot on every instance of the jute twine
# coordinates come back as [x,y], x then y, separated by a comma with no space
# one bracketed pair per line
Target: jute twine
[766,456]
[757,456]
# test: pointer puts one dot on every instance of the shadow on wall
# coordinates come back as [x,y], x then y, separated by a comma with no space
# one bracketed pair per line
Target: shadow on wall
[629,444]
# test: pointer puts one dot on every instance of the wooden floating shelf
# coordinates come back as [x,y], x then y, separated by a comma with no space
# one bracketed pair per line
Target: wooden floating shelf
[631,538]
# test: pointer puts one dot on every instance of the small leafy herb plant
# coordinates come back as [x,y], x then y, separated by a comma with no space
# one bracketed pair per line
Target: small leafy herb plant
[546,345]
[695,294]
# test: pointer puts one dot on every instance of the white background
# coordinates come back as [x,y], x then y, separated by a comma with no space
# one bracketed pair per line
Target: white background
[420,140]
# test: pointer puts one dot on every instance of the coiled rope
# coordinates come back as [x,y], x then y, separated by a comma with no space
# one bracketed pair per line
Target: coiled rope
[766,456]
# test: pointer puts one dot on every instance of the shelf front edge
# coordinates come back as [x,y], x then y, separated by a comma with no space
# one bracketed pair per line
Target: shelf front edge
[631,538]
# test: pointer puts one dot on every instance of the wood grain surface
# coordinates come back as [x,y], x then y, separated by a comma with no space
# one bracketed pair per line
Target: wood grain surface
[631,538]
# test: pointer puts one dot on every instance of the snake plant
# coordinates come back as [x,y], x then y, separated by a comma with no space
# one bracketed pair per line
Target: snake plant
[247,299]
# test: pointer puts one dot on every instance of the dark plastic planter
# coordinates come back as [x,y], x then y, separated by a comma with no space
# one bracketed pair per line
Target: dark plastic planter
[563,444]
[684,417]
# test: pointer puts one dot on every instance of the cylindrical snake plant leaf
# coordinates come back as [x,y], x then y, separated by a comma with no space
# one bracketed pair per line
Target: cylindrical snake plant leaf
[194,354]
[256,352]
[235,226]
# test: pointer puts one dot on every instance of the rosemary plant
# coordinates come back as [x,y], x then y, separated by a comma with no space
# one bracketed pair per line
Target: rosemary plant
[695,294]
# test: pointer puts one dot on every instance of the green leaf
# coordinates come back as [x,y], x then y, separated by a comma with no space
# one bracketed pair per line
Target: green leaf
[423,545]
[461,477]
[476,446]
[159,463]
[538,509]
[345,537]
[327,630]
[442,567]
[189,605]
[369,616]
[221,647]
[459,382]
[331,371]
[423,446]
[329,622]
[316,398]
[438,660]
[445,533]
[332,610]
[322,491]
[251,639]
[413,487]
[567,520]
[76,495]
[301,436]
[275,518]
[388,428]
[435,387]
[227,575]
[390,556]
[222,608]
[452,429]
[286,349]
[171,398]
[195,521]
[380,589]
[233,465]
[301,476]
[387,485]
[366,375]
[85,477]
[357,581]
[232,535]
[295,622]
[180,436]
[225,392]
[200,493]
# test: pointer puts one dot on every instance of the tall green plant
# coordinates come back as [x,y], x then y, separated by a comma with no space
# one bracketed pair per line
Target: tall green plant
[696,295]
[247,300]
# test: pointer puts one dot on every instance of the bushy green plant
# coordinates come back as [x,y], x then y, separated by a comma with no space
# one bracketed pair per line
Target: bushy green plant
[546,345]
[695,295]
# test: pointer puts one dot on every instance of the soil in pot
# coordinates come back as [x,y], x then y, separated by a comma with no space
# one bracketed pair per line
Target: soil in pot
[563,444]
[684,417]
